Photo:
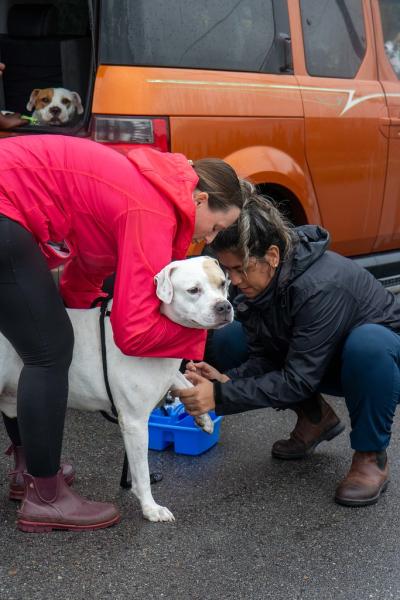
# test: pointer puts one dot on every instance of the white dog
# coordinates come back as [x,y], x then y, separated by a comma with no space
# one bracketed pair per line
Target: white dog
[193,293]
[55,106]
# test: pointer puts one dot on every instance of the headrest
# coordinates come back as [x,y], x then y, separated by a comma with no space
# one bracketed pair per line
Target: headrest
[32,20]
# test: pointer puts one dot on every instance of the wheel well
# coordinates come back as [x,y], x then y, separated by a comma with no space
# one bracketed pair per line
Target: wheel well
[286,201]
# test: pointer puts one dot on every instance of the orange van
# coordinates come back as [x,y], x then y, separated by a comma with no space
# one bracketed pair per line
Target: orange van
[300,96]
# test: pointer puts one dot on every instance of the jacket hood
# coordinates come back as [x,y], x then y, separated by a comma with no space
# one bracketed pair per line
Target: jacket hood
[311,243]
[172,175]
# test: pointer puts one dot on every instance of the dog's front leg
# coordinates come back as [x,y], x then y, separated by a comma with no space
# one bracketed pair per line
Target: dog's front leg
[136,439]
[203,421]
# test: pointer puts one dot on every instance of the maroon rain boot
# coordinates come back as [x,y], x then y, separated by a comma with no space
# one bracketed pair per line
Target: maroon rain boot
[50,504]
[17,485]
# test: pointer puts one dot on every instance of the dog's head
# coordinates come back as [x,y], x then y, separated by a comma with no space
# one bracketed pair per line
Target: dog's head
[194,293]
[55,106]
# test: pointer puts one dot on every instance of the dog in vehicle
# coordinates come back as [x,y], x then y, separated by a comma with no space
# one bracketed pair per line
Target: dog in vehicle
[193,293]
[55,106]
[392,48]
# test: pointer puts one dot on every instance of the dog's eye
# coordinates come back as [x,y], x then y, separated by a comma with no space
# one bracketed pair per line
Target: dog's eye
[45,100]
[65,101]
[194,290]
[223,285]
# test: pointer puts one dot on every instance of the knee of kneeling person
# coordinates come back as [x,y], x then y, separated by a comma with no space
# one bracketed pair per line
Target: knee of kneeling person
[367,344]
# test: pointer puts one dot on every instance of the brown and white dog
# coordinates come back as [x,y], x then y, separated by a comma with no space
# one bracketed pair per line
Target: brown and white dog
[392,48]
[55,106]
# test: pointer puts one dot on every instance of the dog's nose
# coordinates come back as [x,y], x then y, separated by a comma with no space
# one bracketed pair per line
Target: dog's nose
[223,306]
[55,110]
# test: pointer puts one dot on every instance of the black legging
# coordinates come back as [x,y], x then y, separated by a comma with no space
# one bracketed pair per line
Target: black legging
[12,428]
[34,320]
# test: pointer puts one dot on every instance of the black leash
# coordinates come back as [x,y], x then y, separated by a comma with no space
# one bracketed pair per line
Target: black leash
[104,312]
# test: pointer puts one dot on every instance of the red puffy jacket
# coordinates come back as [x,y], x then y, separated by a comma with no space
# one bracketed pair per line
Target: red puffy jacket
[125,215]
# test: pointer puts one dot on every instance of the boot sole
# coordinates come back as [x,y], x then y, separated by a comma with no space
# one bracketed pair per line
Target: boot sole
[368,502]
[43,527]
[18,494]
[326,437]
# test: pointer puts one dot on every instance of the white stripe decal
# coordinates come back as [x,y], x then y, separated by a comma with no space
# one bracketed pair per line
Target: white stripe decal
[351,101]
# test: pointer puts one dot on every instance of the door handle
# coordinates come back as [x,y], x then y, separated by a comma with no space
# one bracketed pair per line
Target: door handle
[390,120]
[390,126]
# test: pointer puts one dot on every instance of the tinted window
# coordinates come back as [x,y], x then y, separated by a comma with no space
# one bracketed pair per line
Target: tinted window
[390,15]
[210,34]
[334,37]
[73,17]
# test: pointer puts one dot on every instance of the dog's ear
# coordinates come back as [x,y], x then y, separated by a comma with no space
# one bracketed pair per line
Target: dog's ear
[32,99]
[164,290]
[78,102]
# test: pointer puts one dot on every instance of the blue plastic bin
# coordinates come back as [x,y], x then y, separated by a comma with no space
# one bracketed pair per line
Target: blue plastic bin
[178,428]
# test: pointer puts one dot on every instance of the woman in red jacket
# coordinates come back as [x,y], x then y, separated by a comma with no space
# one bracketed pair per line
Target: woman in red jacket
[70,201]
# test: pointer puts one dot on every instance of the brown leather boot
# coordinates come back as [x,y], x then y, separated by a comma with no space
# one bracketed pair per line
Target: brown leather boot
[17,485]
[367,479]
[50,504]
[316,422]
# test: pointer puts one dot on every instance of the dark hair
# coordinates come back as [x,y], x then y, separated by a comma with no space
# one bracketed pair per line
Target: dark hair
[260,225]
[221,183]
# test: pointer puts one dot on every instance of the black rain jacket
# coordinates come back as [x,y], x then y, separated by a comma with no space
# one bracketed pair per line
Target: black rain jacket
[299,323]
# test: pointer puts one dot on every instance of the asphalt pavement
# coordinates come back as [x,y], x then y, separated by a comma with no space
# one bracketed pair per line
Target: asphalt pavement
[247,526]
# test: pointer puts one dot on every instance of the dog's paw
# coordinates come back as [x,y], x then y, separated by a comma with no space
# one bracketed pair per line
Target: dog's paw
[205,423]
[157,513]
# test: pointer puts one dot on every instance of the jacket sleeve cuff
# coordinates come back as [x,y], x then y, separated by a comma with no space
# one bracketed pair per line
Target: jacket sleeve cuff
[218,397]
[232,373]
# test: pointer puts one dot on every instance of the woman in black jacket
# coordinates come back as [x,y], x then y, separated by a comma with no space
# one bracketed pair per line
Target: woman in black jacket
[315,322]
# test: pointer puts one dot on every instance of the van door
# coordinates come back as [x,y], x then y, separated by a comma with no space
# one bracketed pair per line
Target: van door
[387,30]
[204,79]
[343,106]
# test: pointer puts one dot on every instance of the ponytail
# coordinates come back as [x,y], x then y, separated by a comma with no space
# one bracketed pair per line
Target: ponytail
[221,183]
[259,226]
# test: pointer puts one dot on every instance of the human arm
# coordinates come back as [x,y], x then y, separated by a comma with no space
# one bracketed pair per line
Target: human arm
[145,241]
[205,370]
[11,120]
[321,322]
[199,399]
[78,286]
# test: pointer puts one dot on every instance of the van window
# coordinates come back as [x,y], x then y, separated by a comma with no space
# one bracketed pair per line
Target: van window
[73,17]
[227,34]
[44,46]
[334,37]
[390,16]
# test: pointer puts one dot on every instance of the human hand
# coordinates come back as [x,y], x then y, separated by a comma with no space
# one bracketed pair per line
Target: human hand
[10,121]
[205,370]
[198,399]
